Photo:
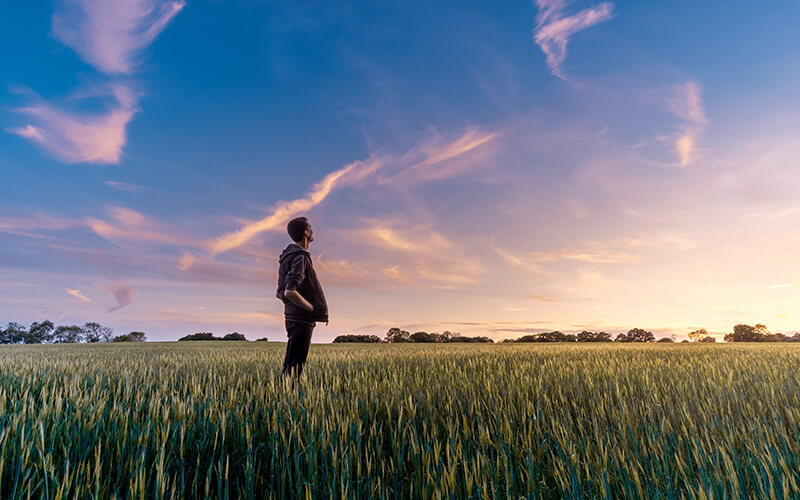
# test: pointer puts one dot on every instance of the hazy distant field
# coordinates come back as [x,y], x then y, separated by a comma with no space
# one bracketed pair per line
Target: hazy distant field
[481,421]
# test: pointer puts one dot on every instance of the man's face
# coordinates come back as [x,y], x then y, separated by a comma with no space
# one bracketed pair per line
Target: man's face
[309,233]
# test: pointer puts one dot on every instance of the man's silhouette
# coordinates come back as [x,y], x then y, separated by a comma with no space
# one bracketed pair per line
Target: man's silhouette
[301,293]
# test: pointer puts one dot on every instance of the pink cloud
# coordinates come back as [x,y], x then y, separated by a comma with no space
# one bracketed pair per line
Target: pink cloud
[686,103]
[554,29]
[75,137]
[125,226]
[109,34]
[123,294]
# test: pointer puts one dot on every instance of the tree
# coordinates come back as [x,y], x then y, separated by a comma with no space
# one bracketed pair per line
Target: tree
[262,339]
[696,335]
[397,335]
[40,333]
[636,335]
[364,339]
[423,337]
[459,339]
[665,340]
[747,333]
[138,336]
[448,336]
[234,336]
[14,333]
[707,339]
[130,337]
[199,336]
[586,336]
[67,334]
[95,332]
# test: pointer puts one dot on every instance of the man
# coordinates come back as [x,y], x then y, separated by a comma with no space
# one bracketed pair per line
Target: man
[301,293]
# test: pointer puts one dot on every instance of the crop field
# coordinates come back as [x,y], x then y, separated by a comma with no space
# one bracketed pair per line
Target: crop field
[205,419]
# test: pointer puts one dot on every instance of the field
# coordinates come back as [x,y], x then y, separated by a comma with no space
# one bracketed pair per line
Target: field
[400,421]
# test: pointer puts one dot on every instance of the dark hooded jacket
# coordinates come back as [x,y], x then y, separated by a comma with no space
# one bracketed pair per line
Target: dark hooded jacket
[296,271]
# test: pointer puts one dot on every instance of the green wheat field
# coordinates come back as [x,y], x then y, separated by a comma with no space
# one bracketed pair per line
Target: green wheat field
[178,420]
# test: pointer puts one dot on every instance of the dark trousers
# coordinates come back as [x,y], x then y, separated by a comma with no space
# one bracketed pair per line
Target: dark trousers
[297,347]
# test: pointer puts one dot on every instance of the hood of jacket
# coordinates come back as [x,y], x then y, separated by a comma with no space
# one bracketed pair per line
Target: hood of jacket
[290,250]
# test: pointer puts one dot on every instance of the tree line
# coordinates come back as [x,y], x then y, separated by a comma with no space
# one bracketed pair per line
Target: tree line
[45,332]
[397,335]
[741,333]
[210,336]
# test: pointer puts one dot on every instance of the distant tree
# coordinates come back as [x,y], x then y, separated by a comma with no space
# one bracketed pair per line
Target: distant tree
[747,333]
[138,336]
[793,338]
[459,339]
[199,336]
[636,335]
[130,337]
[774,337]
[665,340]
[397,335]
[586,336]
[14,333]
[262,339]
[554,336]
[527,338]
[707,339]
[234,336]
[364,339]
[95,332]
[67,334]
[447,336]
[40,333]
[423,337]
[684,341]
[696,335]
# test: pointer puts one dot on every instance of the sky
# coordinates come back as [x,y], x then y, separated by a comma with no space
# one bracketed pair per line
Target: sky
[487,168]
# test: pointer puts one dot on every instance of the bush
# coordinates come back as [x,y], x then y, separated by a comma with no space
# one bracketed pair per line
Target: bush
[234,336]
[262,339]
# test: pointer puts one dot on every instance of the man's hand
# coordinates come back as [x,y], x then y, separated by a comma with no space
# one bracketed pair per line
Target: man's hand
[297,299]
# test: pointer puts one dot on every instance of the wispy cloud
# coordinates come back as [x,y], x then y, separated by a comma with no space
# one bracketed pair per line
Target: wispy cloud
[285,210]
[435,160]
[125,186]
[686,102]
[110,34]
[78,295]
[28,226]
[554,28]
[125,226]
[75,137]
[358,172]
[123,294]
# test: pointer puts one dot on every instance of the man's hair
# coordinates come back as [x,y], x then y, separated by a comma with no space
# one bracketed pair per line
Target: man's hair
[297,228]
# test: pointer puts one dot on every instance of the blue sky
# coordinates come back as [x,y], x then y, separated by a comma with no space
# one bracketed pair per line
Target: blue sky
[468,166]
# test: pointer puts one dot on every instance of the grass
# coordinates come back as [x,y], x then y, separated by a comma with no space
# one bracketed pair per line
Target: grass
[398,421]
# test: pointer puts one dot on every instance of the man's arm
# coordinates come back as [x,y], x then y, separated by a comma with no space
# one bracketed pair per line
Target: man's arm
[298,300]
[295,276]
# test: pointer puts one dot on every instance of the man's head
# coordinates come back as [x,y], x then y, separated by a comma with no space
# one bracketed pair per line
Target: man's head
[299,228]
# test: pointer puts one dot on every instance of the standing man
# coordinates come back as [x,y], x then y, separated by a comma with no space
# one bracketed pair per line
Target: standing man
[301,293]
